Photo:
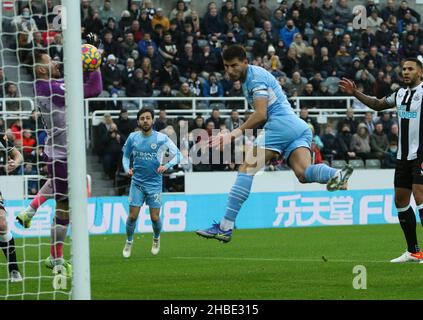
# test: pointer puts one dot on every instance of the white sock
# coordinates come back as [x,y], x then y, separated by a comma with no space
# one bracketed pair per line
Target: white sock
[226,225]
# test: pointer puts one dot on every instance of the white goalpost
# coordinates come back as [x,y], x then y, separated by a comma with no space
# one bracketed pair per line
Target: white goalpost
[81,289]
[33,243]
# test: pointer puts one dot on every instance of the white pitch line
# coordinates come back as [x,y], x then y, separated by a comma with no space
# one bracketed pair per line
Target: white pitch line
[280,259]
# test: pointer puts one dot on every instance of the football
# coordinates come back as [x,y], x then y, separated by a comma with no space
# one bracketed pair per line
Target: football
[91,58]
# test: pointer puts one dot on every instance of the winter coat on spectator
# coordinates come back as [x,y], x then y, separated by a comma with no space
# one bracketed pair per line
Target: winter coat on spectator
[188,64]
[110,73]
[139,87]
[329,144]
[127,75]
[213,24]
[344,14]
[163,21]
[184,104]
[143,44]
[170,76]
[287,35]
[212,89]
[126,126]
[313,15]
[127,48]
[113,48]
[232,125]
[246,23]
[360,143]
[343,143]
[378,142]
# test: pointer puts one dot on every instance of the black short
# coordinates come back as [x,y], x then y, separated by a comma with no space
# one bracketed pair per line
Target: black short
[407,173]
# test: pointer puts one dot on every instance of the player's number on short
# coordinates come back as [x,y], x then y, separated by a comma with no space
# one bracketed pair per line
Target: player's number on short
[59,21]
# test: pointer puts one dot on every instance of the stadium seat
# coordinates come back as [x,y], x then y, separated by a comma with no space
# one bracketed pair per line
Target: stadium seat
[338,164]
[373,164]
[357,163]
[156,93]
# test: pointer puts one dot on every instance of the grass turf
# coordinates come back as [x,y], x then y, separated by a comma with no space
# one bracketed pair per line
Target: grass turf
[293,263]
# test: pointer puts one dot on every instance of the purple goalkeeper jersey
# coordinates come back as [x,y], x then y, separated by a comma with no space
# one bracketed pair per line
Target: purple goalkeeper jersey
[50,99]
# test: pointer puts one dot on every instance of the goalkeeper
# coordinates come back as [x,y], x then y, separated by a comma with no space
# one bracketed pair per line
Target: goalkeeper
[50,98]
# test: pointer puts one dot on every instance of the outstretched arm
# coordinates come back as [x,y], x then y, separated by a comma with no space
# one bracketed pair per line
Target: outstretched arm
[93,85]
[349,87]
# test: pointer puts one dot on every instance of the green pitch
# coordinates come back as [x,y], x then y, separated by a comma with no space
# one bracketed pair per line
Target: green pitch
[295,263]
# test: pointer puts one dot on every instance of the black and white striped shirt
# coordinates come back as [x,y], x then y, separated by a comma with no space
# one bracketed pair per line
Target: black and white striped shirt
[408,102]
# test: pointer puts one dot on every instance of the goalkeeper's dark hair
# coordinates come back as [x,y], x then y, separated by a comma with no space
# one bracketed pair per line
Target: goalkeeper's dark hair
[144,110]
[234,52]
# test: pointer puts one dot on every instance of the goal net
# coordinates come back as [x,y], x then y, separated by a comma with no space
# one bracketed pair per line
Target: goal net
[33,119]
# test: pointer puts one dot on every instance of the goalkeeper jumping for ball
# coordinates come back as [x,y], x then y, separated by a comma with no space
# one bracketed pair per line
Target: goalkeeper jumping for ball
[7,243]
[50,99]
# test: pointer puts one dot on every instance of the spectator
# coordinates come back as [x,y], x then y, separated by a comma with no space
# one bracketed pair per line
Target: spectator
[87,11]
[305,116]
[316,146]
[329,140]
[390,158]
[125,125]
[147,69]
[379,141]
[344,137]
[263,13]
[350,120]
[128,72]
[212,23]
[287,33]
[166,92]
[111,47]
[383,38]
[33,123]
[128,45]
[309,93]
[189,61]
[343,13]
[185,93]
[209,62]
[195,84]
[125,21]
[28,143]
[404,9]
[12,92]
[169,74]
[386,121]
[313,14]
[93,24]
[330,42]
[343,61]
[149,7]
[16,130]
[145,22]
[168,49]
[236,91]
[112,79]
[234,121]
[394,133]
[388,10]
[136,30]
[296,86]
[212,87]
[161,122]
[181,6]
[246,22]
[369,122]
[155,59]
[360,142]
[325,64]
[307,63]
[261,45]
[215,118]
[134,10]
[113,144]
[145,43]
[139,86]
[368,39]
[290,64]
[56,48]
[159,18]
[107,12]
[278,20]
[374,21]
[299,45]
[113,28]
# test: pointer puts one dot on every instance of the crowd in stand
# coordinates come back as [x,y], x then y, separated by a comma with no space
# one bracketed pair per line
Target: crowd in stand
[307,45]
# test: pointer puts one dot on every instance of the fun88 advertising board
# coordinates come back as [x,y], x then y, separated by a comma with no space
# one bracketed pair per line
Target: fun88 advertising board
[182,212]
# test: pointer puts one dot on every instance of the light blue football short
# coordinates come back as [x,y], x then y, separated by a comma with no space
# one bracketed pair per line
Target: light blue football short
[284,135]
[138,195]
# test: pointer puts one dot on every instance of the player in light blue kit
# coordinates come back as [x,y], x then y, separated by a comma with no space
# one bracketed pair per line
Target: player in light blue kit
[146,148]
[284,133]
